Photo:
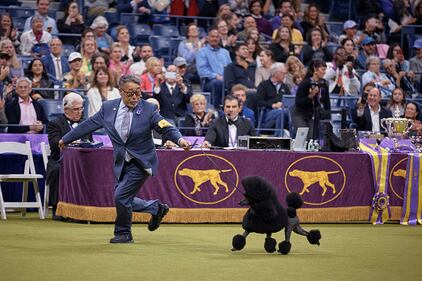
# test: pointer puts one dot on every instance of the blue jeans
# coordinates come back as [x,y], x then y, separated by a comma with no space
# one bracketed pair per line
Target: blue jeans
[277,118]
[131,181]
[215,87]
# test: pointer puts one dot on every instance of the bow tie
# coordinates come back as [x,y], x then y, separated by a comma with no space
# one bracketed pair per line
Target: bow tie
[231,122]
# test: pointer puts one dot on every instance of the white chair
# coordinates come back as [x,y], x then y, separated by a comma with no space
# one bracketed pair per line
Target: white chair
[29,175]
[46,152]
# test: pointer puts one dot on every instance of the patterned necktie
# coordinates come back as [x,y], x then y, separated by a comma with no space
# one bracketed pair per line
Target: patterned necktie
[124,130]
[59,69]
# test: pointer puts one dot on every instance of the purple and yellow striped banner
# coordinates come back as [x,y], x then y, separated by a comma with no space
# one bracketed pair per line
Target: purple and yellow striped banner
[412,200]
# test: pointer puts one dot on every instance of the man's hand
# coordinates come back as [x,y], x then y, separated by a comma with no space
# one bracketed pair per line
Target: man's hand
[277,105]
[206,144]
[184,144]
[61,144]
[37,126]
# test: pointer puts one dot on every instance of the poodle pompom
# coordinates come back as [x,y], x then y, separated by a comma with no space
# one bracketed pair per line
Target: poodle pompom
[284,247]
[291,212]
[294,200]
[238,242]
[270,244]
[258,188]
[314,236]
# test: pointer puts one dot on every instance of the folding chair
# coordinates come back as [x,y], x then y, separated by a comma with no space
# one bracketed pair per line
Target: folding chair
[29,175]
[46,152]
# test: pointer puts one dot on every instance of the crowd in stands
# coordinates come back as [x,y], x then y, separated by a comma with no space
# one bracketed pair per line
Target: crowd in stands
[259,51]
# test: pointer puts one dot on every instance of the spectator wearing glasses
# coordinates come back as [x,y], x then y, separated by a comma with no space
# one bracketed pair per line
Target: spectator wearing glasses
[135,158]
[48,24]
[22,110]
[374,74]
[369,48]
[34,36]
[56,129]
[197,122]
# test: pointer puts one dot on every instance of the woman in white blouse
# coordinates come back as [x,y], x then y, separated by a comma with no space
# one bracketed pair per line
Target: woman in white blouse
[101,89]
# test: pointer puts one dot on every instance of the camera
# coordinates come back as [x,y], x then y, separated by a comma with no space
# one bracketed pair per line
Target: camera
[364,98]
[170,75]
[350,58]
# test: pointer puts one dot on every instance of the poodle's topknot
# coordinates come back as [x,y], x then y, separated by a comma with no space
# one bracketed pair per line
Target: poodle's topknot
[294,200]
[258,188]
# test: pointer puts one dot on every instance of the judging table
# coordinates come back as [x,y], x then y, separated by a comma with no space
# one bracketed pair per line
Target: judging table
[336,187]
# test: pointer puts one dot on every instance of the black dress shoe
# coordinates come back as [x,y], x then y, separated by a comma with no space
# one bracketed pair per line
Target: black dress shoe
[124,238]
[155,221]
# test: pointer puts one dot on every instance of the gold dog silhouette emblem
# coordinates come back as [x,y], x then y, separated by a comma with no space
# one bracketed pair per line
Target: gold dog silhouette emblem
[309,178]
[200,177]
[400,173]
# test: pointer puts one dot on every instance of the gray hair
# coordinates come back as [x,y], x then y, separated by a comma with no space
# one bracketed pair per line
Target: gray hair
[99,21]
[277,66]
[71,98]
[24,79]
[370,59]
[36,17]
[129,78]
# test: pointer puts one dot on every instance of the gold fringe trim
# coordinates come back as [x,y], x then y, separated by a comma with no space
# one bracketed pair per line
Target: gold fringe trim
[222,215]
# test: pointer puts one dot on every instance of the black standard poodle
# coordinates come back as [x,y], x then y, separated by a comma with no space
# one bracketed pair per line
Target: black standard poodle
[267,216]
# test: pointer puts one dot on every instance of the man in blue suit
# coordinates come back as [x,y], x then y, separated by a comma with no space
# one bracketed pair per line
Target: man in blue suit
[55,64]
[128,122]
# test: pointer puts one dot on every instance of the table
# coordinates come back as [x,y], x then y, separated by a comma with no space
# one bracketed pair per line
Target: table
[87,182]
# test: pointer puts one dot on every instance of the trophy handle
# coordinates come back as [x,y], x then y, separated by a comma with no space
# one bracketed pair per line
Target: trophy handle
[383,121]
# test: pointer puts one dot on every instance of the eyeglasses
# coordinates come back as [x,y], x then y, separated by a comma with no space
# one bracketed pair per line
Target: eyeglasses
[129,94]
[77,109]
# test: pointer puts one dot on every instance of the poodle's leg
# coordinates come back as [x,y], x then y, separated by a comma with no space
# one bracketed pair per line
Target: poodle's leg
[239,241]
[270,244]
[313,236]
[285,246]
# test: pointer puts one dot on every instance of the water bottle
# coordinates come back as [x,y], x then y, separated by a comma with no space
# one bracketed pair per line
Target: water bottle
[316,145]
[310,145]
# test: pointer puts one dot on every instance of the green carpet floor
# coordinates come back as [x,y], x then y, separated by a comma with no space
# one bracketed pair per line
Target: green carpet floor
[31,249]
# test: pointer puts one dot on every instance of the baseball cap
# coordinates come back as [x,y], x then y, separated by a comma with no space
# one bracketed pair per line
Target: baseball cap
[368,40]
[418,44]
[349,24]
[74,55]
[179,61]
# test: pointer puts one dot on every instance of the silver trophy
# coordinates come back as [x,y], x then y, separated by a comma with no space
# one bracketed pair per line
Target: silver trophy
[396,127]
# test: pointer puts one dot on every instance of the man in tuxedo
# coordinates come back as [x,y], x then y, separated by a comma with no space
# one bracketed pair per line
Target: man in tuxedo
[56,129]
[128,122]
[55,64]
[368,114]
[223,131]
[174,95]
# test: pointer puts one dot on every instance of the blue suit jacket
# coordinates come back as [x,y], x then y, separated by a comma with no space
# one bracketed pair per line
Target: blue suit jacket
[139,144]
[51,70]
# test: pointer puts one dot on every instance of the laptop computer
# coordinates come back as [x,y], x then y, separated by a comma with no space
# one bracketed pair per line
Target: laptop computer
[300,140]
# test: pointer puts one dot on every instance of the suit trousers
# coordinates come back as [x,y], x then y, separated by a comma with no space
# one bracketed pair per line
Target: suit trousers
[132,178]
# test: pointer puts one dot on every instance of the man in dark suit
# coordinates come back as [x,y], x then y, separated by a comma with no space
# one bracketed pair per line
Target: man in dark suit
[128,122]
[223,131]
[174,95]
[24,111]
[55,64]
[56,129]
[368,114]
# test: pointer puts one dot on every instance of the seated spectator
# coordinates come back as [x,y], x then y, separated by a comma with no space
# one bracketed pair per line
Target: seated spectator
[173,96]
[295,71]
[369,48]
[282,46]
[36,36]
[262,72]
[239,92]
[369,113]
[401,17]
[253,32]
[99,60]
[6,84]
[38,75]
[313,20]
[8,31]
[24,111]
[55,63]
[341,77]
[395,53]
[397,102]
[412,112]
[88,49]
[373,28]
[297,37]
[180,63]
[101,89]
[270,96]
[350,49]
[56,129]
[285,8]
[226,41]
[197,122]
[240,70]
[139,67]
[189,47]
[88,33]
[312,102]
[375,75]
[72,22]
[239,7]
[263,25]
[349,32]
[416,62]
[399,79]
[117,66]
[15,64]
[210,62]
[152,78]
[315,49]
[223,10]
[104,41]
[232,23]
[253,50]
[48,24]
[249,23]
[75,78]
[224,131]
[123,37]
